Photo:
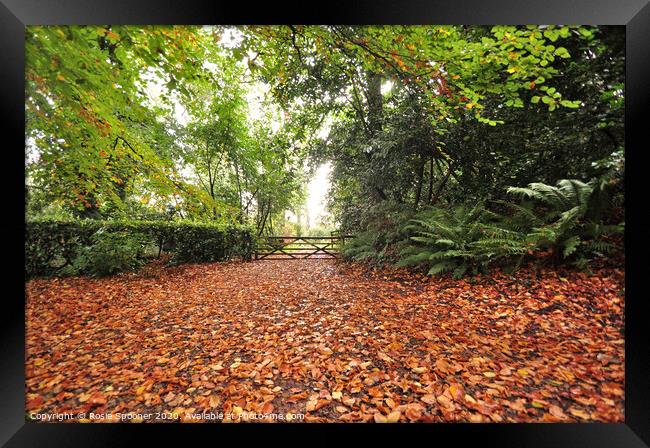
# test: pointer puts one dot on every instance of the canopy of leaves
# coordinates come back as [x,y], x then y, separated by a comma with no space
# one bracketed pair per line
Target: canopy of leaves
[159,122]
[151,122]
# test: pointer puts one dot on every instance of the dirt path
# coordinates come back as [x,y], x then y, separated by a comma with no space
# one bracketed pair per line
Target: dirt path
[327,340]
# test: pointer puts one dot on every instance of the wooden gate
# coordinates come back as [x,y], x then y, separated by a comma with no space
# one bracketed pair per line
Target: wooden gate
[299,247]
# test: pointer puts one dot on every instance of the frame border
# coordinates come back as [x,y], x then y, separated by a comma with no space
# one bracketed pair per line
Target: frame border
[634,14]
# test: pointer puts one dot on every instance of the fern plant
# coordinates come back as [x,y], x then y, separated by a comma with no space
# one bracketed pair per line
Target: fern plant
[360,248]
[382,238]
[566,195]
[569,225]
[563,219]
[460,240]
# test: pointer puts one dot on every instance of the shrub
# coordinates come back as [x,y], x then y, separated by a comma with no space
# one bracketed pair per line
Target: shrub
[570,223]
[459,240]
[383,238]
[109,253]
[56,247]
[565,221]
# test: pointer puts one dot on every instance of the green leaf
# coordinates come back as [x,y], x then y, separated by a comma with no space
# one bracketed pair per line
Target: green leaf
[570,104]
[562,52]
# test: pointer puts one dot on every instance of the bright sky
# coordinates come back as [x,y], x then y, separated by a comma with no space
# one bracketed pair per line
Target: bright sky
[317,194]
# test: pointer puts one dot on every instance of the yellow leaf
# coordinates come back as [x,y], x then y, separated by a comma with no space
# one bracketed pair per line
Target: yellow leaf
[456,391]
[580,413]
[393,417]
[311,405]
[476,418]
[384,357]
[380,418]
[556,411]
[446,402]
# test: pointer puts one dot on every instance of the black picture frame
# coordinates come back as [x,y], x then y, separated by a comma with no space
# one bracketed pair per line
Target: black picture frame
[633,14]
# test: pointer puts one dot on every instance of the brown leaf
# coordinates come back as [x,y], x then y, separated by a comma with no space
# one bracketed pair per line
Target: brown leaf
[428,398]
[556,411]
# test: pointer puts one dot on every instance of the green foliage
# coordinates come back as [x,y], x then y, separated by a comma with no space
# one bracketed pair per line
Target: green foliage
[109,253]
[104,133]
[361,248]
[559,220]
[321,230]
[407,133]
[567,195]
[568,223]
[66,247]
[94,133]
[383,237]
[460,240]
[414,120]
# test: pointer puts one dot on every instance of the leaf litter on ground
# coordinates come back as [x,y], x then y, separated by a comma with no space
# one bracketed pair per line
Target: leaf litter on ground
[333,341]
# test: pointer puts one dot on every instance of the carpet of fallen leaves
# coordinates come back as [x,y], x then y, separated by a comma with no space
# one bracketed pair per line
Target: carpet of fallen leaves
[332,341]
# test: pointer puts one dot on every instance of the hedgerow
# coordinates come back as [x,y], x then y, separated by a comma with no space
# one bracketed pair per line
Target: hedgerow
[96,247]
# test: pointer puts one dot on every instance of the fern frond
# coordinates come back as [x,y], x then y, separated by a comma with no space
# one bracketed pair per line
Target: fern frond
[415,259]
[570,246]
[443,266]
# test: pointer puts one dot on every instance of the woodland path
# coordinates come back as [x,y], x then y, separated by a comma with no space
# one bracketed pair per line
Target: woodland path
[331,341]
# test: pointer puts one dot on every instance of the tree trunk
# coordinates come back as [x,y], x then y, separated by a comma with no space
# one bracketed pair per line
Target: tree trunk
[375,112]
[418,192]
[430,192]
[375,103]
[442,184]
[263,223]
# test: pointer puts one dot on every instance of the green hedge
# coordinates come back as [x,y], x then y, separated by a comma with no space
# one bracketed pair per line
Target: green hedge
[52,246]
